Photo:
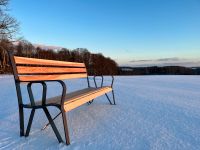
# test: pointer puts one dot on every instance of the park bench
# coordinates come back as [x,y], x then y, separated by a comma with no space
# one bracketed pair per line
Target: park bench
[33,71]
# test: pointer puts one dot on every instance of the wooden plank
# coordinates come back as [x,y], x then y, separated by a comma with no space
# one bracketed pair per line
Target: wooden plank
[84,93]
[85,99]
[42,70]
[73,96]
[69,96]
[51,77]
[34,61]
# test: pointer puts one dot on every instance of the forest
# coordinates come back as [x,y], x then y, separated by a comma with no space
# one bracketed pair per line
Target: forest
[96,64]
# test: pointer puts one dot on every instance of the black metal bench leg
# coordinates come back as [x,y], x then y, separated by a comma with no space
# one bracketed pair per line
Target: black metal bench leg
[49,123]
[113,97]
[30,122]
[90,102]
[108,98]
[21,120]
[65,127]
[52,124]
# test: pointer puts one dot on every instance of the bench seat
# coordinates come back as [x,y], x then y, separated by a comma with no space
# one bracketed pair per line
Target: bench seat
[77,98]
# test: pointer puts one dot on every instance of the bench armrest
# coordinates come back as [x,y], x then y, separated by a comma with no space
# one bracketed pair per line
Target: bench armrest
[102,81]
[30,93]
[64,90]
[44,85]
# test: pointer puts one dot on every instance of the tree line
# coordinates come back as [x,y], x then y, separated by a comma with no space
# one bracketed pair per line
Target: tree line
[155,70]
[96,64]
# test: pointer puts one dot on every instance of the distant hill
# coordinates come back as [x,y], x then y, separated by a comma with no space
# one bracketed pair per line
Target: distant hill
[155,70]
[197,70]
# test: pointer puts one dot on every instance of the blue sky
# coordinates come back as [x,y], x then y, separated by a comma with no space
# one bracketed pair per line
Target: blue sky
[135,33]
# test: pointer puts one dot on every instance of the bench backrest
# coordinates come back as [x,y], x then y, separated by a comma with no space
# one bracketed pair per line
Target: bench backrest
[32,69]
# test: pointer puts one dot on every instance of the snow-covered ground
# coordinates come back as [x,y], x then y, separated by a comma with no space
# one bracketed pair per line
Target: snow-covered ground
[152,112]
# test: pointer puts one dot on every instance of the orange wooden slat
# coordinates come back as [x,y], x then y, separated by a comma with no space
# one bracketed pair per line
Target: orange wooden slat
[74,96]
[85,99]
[78,95]
[51,77]
[34,61]
[42,70]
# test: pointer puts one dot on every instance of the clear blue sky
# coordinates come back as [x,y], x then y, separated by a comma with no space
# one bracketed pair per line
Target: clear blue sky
[132,32]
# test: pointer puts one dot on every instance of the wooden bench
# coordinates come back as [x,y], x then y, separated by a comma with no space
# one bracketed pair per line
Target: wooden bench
[32,71]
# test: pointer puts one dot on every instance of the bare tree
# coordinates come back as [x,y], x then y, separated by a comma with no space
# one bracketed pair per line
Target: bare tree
[8,29]
[4,45]
[8,25]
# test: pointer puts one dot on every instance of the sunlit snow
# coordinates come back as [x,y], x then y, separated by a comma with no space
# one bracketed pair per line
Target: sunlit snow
[152,112]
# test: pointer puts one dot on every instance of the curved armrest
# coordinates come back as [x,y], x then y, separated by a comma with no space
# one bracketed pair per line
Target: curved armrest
[30,93]
[29,85]
[64,89]
[112,81]
[102,81]
[94,78]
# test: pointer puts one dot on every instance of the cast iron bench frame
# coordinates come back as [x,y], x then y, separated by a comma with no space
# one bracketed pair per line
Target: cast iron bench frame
[22,74]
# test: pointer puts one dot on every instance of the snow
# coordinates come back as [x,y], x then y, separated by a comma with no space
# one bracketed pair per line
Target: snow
[152,112]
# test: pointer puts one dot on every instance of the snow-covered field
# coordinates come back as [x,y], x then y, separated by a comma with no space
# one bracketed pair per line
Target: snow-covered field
[152,112]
